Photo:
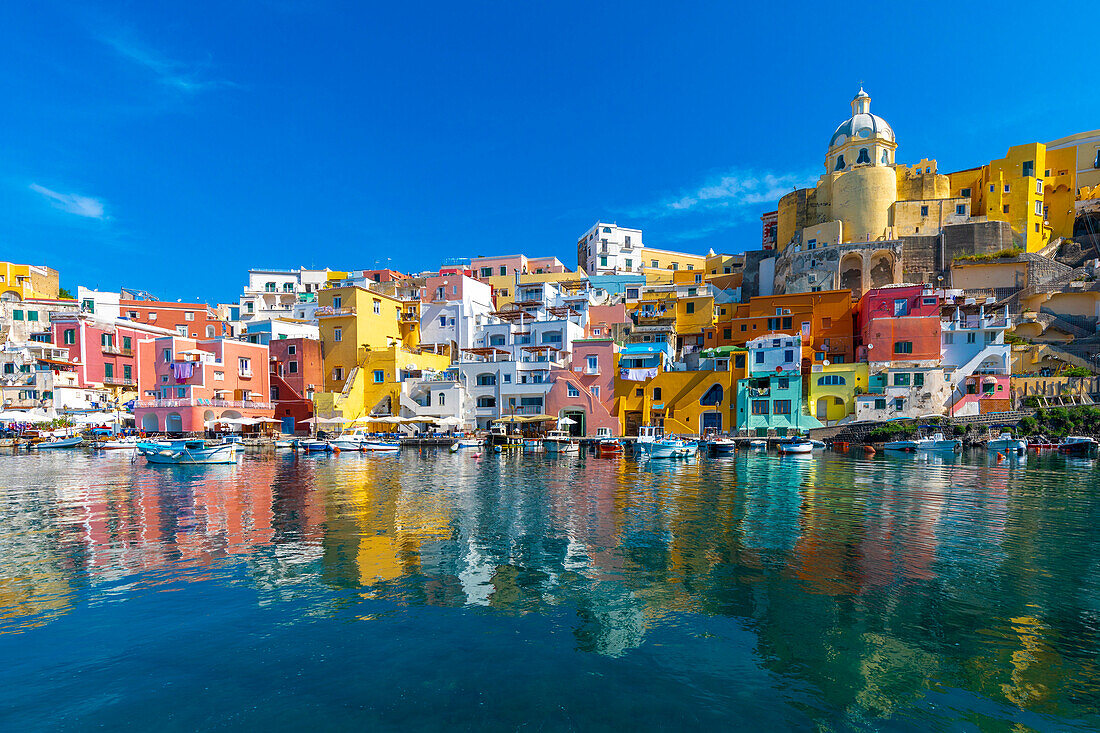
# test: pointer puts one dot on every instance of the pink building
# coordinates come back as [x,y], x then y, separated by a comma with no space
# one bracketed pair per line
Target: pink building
[585,392]
[485,267]
[899,323]
[186,383]
[105,351]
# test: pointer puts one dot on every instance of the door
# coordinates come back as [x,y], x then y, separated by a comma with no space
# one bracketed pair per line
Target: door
[710,422]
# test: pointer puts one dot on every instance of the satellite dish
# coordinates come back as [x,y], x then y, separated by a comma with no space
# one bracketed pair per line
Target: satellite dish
[825,363]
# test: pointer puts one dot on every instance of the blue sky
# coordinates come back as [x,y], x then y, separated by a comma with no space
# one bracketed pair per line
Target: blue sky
[171,146]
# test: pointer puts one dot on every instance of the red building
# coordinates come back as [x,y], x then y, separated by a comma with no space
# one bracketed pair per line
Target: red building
[899,323]
[297,370]
[106,352]
[194,320]
[769,229]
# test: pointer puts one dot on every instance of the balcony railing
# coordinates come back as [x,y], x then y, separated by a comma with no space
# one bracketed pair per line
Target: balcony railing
[119,381]
[205,403]
[117,350]
[329,312]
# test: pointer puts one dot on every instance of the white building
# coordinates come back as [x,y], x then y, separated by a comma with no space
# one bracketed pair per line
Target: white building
[281,293]
[608,249]
[453,309]
[266,330]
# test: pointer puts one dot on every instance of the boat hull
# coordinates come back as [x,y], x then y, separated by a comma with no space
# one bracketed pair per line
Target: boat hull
[381,447]
[217,455]
[64,443]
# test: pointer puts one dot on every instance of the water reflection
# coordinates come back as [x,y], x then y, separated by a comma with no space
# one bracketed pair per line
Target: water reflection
[878,585]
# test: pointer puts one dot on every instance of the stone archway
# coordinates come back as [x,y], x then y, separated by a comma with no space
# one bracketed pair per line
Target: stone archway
[851,274]
[173,423]
[881,272]
[150,423]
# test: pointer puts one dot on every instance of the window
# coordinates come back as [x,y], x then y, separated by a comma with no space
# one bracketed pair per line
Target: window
[1007,188]
[211,332]
[901,379]
[970,338]
[949,338]
[603,261]
[106,339]
[960,209]
[269,287]
[244,366]
[838,167]
[788,355]
[153,316]
[653,263]
[486,272]
[181,392]
[592,363]
[656,393]
[338,373]
[88,305]
[739,361]
[69,337]
[674,266]
[880,404]
[812,244]
[787,322]
[507,378]
[992,188]
[632,293]
[761,407]
[486,380]
[918,379]
[745,327]
[1039,186]
[337,334]
[831,380]
[629,263]
[377,307]
[886,157]
[379,376]
[783,383]
[108,371]
[689,307]
[924,211]
[1038,208]
[337,302]
[218,376]
[691,267]
[901,307]
[903,347]
[965,192]
[571,391]
[781,407]
[32,315]
[595,390]
[773,324]
[189,316]
[899,403]
[759,356]
[1004,208]
[1028,169]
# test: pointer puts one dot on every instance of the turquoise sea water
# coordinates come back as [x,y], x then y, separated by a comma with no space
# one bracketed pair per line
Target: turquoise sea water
[431,590]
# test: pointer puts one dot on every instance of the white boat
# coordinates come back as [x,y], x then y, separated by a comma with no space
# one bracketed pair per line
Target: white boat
[559,441]
[235,441]
[795,446]
[532,445]
[758,444]
[60,443]
[129,443]
[722,446]
[668,448]
[313,445]
[188,453]
[350,442]
[279,444]
[381,446]
[1005,442]
[469,442]
[1076,445]
[935,442]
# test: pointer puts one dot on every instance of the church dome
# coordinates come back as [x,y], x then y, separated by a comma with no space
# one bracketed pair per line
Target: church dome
[862,125]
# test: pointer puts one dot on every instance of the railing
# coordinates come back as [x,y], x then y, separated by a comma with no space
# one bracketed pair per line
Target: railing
[327,311]
[205,403]
[117,351]
[119,381]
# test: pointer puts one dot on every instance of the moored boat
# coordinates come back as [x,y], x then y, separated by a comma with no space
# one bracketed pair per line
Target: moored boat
[312,445]
[381,446]
[1007,443]
[1076,445]
[794,446]
[668,448]
[559,442]
[935,442]
[72,442]
[722,446]
[188,453]
[129,443]
[609,447]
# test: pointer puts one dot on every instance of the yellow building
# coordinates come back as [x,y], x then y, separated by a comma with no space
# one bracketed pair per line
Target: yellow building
[684,402]
[659,266]
[374,384]
[354,321]
[20,282]
[832,390]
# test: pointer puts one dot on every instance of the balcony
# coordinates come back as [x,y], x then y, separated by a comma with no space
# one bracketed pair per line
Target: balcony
[117,351]
[238,404]
[119,381]
[330,312]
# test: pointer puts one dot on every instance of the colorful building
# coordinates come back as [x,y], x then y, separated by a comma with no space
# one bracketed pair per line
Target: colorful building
[832,389]
[584,390]
[899,323]
[187,384]
[20,282]
[769,399]
[297,372]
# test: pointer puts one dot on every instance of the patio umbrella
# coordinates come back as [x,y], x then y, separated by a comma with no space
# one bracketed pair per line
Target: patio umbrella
[365,420]
[566,421]
[269,420]
[538,418]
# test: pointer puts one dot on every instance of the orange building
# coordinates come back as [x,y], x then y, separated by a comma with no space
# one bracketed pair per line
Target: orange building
[825,320]
[900,323]
[194,320]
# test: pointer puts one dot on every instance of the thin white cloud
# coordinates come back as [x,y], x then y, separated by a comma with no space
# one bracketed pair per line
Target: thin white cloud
[736,190]
[171,73]
[72,203]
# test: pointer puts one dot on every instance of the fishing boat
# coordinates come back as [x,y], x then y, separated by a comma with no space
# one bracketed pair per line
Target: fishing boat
[1076,445]
[349,442]
[188,453]
[559,442]
[312,445]
[129,443]
[235,441]
[720,446]
[609,447]
[281,444]
[60,442]
[532,445]
[934,442]
[795,446]
[381,446]
[758,444]
[1007,443]
[668,448]
[469,442]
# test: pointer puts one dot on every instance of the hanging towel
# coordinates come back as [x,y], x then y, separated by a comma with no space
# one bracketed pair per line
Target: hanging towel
[182,370]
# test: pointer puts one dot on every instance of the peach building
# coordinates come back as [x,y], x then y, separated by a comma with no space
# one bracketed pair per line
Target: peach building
[186,382]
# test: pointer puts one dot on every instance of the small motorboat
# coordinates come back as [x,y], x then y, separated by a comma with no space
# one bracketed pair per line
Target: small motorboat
[61,442]
[609,447]
[381,446]
[722,446]
[560,442]
[235,441]
[349,442]
[282,444]
[758,444]
[188,453]
[935,442]
[668,448]
[1076,445]
[468,442]
[1007,443]
[795,446]
[129,443]
[313,445]
[532,445]
[1041,442]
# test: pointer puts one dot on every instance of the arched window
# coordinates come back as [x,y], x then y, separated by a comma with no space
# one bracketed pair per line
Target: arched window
[886,157]
[863,156]
[713,396]
[486,380]
[839,163]
[831,380]
[441,399]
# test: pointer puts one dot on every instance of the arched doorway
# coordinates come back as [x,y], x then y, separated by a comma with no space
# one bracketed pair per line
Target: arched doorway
[173,423]
[578,428]
[150,423]
[851,274]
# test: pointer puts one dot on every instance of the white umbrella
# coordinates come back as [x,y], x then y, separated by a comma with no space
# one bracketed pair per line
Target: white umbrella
[269,420]
[451,422]
[330,420]
[13,416]
[365,419]
[566,421]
